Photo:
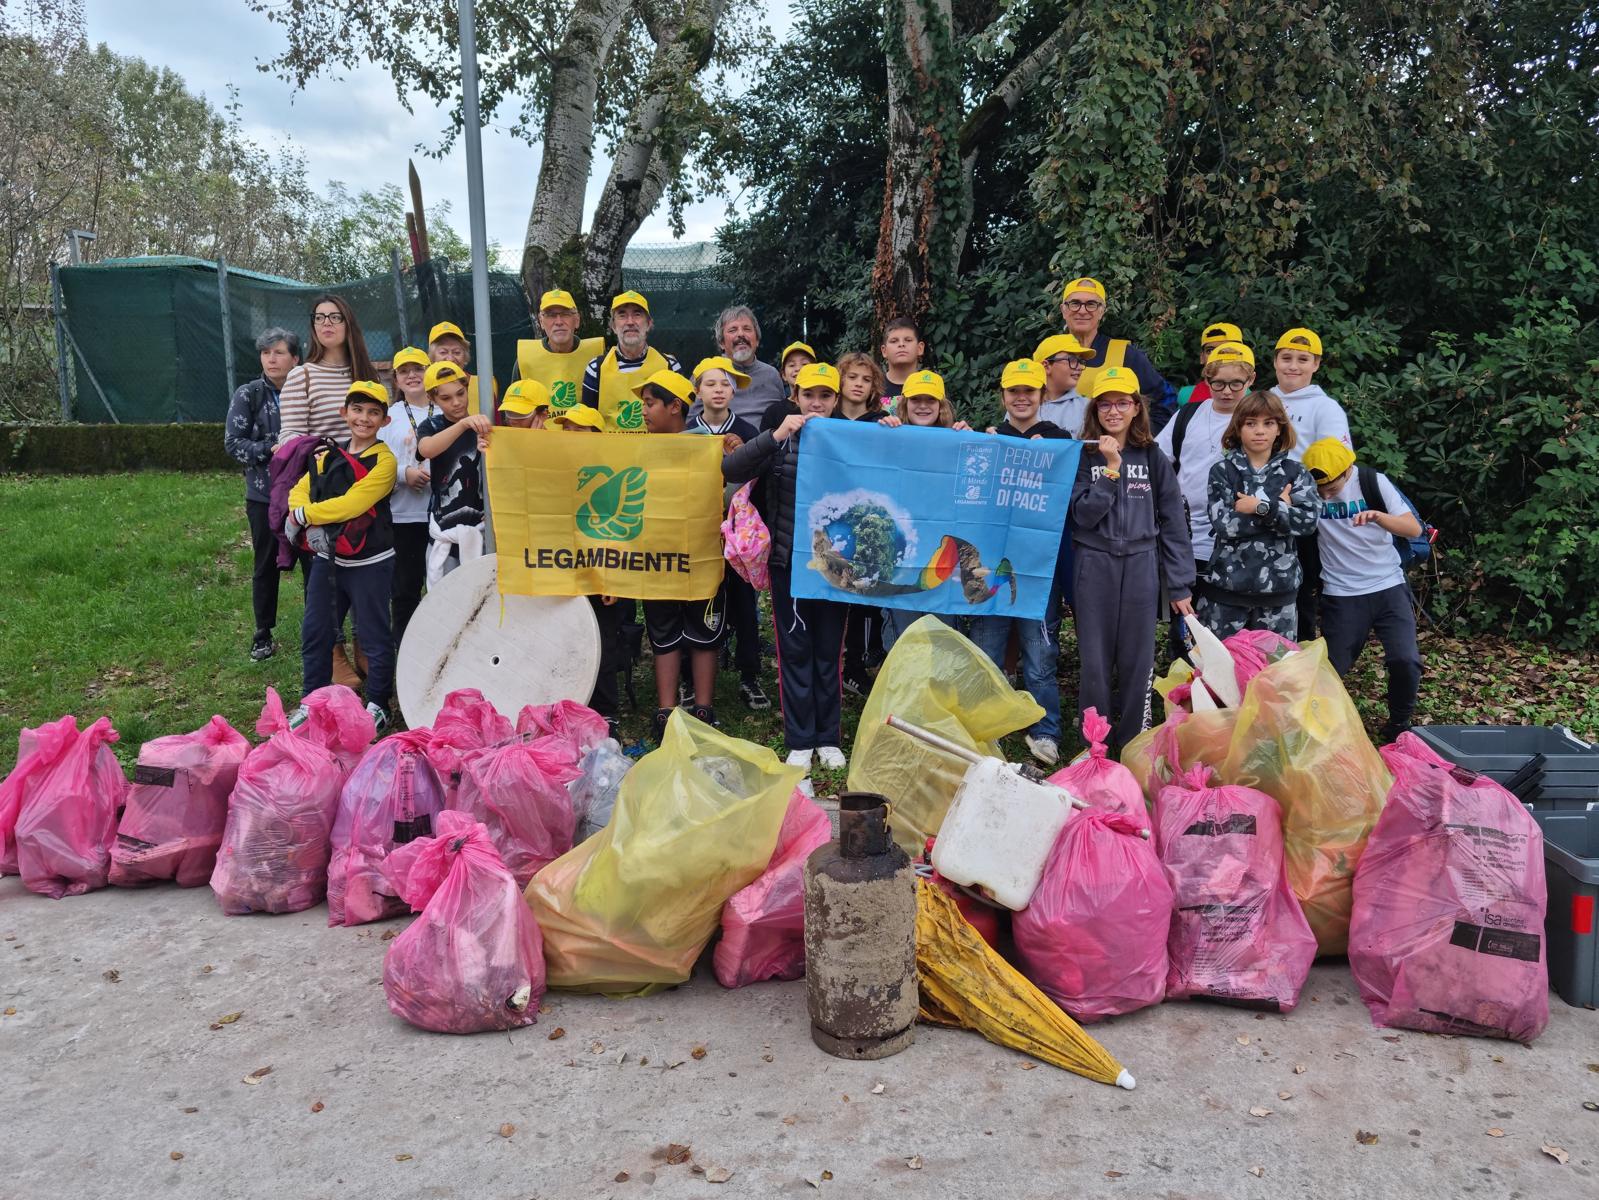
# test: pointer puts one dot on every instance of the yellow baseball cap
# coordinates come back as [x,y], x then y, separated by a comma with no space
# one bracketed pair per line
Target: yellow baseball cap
[817,374]
[445,329]
[525,397]
[795,348]
[442,372]
[629,298]
[720,362]
[368,389]
[669,381]
[1221,331]
[1232,352]
[1061,343]
[557,298]
[1024,372]
[1300,339]
[925,383]
[411,357]
[1085,283]
[1114,379]
[579,416]
[1327,459]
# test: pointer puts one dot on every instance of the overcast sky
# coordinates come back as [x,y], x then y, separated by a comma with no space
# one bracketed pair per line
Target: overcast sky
[351,129]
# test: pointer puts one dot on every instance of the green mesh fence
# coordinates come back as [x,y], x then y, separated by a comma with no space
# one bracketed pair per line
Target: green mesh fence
[146,335]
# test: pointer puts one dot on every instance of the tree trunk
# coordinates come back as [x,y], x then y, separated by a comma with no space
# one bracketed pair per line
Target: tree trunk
[651,150]
[567,154]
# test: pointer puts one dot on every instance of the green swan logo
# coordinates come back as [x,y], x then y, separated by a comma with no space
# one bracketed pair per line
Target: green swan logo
[563,394]
[630,414]
[614,510]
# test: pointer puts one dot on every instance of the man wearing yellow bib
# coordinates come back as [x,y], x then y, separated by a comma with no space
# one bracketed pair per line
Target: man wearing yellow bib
[557,359]
[1082,307]
[608,380]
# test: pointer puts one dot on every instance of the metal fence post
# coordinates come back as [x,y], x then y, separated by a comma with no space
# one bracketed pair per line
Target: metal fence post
[399,296]
[58,310]
[227,322]
[472,139]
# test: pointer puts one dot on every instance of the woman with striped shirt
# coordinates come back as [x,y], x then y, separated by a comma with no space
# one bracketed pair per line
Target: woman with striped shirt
[314,392]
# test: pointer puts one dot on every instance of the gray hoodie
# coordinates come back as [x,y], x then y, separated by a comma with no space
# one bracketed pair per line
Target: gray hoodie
[1142,512]
[1315,415]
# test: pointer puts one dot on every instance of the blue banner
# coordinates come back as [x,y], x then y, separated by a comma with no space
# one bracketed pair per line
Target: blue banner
[930,520]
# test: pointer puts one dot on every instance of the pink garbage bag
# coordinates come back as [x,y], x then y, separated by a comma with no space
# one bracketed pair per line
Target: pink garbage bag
[1237,934]
[465,722]
[1447,931]
[178,806]
[389,799]
[69,817]
[338,721]
[474,959]
[577,724]
[518,789]
[37,751]
[1093,937]
[1254,650]
[274,854]
[1100,780]
[763,923]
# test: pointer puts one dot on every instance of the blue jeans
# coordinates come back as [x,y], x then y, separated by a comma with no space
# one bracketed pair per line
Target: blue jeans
[1040,651]
[368,590]
[897,620]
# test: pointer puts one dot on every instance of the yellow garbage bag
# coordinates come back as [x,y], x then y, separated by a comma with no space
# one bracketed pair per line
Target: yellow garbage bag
[936,678]
[1299,739]
[965,983]
[628,911]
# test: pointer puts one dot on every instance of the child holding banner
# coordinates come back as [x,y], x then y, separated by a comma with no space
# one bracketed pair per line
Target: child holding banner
[860,388]
[810,633]
[1129,538]
[452,443]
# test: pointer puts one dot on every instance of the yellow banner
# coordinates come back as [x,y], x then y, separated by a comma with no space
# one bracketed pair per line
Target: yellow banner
[585,514]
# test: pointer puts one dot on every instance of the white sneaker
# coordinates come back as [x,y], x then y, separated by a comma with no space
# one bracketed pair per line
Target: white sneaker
[799,758]
[1043,749]
[832,758]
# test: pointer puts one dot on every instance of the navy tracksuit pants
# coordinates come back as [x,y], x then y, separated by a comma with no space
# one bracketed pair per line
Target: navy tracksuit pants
[810,643]
[1116,600]
[368,591]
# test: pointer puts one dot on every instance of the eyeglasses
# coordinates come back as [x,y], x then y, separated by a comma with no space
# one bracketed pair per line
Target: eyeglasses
[332,318]
[1073,359]
[1083,306]
[1228,385]
[1115,405]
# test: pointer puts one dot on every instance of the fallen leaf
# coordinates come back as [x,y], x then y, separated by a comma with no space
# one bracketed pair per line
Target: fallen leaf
[191,1110]
[543,1008]
[1392,1037]
[846,1097]
[596,1048]
[622,1177]
[507,1130]
[1299,1068]
[1496,1132]
[1364,1138]
[1257,1111]
[1113,1174]
[766,1058]
[227,1020]
[1594,1067]
[877,1089]
[402,1158]
[1258,1172]
[317,1107]
[718,1175]
[677,1154]
[207,969]
[1285,1095]
[826,1175]
[557,1033]
[1591,1105]
[176,1155]
[696,1168]
[644,1060]
[914,1162]
[791,1118]
[389,935]
[1242,1039]
[697,1053]
[11,1011]
[111,976]
[1556,1153]
[1029,1066]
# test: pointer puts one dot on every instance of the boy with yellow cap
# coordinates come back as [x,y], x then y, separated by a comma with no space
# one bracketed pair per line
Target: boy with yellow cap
[579,417]
[410,500]
[446,343]
[715,380]
[1212,336]
[558,357]
[608,380]
[526,404]
[1363,588]
[1063,357]
[453,442]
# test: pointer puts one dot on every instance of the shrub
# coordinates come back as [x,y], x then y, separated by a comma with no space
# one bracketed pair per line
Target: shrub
[92,449]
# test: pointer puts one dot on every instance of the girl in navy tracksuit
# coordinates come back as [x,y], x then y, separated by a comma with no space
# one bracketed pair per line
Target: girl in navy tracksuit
[1130,539]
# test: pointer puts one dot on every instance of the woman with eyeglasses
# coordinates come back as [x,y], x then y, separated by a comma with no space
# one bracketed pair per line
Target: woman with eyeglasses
[313,394]
[1130,541]
[1082,307]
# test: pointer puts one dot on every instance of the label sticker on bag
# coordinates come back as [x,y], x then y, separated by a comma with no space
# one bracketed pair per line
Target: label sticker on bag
[155,776]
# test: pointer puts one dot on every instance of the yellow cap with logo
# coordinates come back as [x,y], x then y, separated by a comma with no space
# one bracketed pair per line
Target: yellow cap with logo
[524,398]
[442,372]
[1061,343]
[629,298]
[1085,283]
[1114,380]
[445,329]
[1327,459]
[557,298]
[795,348]
[817,374]
[410,357]
[1231,352]
[579,416]
[667,381]
[720,362]
[1024,372]
[1220,331]
[1301,339]
[367,389]
[925,383]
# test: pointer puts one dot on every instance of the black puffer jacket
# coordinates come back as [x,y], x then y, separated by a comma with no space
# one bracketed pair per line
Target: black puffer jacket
[778,464]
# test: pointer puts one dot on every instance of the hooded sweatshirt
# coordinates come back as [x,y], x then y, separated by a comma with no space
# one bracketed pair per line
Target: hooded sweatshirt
[1315,415]
[1255,563]
[1142,512]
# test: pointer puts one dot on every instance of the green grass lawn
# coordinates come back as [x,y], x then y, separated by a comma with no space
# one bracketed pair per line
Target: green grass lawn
[129,596]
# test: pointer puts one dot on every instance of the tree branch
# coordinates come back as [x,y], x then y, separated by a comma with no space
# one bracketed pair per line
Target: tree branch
[984,121]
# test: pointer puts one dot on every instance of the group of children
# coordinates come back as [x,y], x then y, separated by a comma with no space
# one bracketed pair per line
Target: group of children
[1210,517]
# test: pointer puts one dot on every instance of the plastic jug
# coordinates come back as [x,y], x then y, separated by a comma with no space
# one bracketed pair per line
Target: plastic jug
[999,831]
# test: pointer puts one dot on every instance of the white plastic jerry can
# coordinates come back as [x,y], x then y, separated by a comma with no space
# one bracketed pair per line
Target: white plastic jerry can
[999,831]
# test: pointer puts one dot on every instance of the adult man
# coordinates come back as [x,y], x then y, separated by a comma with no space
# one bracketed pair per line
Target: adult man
[1082,307]
[738,335]
[557,359]
[606,382]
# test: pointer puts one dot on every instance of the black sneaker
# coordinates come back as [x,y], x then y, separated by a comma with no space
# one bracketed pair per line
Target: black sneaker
[704,712]
[857,683]
[658,725]
[1391,731]
[263,647]
[754,695]
[611,730]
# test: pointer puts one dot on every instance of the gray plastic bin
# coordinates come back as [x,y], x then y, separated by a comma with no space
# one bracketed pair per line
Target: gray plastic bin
[1499,751]
[1571,929]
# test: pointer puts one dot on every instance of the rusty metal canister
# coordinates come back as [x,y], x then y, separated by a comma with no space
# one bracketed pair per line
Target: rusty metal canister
[860,936]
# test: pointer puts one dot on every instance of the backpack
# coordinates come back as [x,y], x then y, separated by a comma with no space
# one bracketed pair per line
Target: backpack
[1184,418]
[1412,550]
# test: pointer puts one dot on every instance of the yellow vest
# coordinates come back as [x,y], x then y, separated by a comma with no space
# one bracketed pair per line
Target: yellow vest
[1115,356]
[623,411]
[471,394]
[561,373]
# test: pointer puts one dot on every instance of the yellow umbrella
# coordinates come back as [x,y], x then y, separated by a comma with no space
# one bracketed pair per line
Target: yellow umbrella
[966,984]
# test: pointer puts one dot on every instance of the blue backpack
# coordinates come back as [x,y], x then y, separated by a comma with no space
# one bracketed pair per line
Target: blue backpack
[1412,550]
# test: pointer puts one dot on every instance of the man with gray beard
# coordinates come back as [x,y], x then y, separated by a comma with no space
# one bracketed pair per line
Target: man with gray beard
[738,335]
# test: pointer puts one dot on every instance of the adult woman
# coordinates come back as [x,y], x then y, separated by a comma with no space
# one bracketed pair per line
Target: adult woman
[313,394]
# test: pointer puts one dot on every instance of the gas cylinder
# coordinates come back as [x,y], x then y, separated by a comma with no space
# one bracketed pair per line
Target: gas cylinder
[860,936]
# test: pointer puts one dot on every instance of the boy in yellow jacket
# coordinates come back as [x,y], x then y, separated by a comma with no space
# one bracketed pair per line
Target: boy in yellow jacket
[342,506]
